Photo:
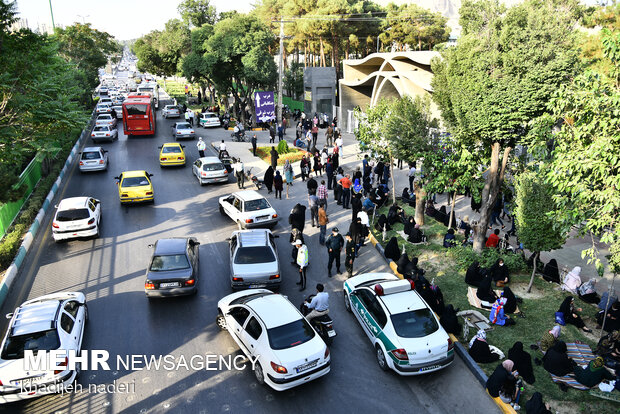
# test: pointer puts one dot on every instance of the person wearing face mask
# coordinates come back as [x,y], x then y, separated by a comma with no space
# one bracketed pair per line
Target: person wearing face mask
[499,273]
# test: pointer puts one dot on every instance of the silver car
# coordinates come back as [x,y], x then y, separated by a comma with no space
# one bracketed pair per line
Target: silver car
[93,159]
[183,130]
[106,119]
[254,260]
[171,111]
[104,133]
[210,170]
[173,269]
[104,108]
[119,111]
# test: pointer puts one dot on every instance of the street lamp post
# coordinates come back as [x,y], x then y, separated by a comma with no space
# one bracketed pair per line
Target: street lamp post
[52,13]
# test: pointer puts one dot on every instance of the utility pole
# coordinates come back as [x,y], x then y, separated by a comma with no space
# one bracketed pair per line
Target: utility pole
[52,13]
[280,72]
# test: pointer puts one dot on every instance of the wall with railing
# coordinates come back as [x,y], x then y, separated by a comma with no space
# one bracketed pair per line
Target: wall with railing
[28,180]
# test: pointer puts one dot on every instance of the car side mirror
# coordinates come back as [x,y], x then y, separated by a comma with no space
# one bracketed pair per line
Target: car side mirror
[275,236]
[160,147]
[117,178]
[149,175]
[9,315]
[182,146]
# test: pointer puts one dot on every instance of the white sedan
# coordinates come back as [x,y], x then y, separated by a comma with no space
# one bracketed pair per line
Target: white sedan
[106,119]
[104,133]
[248,209]
[76,217]
[48,323]
[404,331]
[269,329]
[209,119]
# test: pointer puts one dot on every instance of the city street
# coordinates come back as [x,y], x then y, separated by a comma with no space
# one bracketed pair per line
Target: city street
[110,271]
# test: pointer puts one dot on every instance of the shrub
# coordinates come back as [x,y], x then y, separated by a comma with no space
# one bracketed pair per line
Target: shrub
[10,245]
[465,256]
[282,147]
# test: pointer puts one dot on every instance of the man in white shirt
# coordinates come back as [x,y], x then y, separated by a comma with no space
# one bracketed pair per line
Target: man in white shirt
[339,145]
[411,174]
[238,168]
[201,147]
[222,148]
[319,304]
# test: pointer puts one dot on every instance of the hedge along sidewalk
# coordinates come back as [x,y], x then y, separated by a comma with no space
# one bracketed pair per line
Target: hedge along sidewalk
[12,270]
[460,350]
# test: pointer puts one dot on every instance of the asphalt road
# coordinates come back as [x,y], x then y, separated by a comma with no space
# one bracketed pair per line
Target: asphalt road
[110,271]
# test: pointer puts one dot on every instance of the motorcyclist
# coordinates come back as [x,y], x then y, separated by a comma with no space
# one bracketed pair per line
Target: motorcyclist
[319,303]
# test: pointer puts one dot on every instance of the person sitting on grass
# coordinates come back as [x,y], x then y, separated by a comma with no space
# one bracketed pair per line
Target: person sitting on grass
[523,362]
[409,225]
[449,320]
[499,273]
[567,308]
[503,374]
[479,349]
[416,235]
[449,240]
[593,374]
[395,215]
[498,316]
[556,360]
[485,292]
[475,274]
[550,338]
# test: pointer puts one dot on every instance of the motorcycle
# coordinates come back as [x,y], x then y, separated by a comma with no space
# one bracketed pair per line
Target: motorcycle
[253,178]
[240,135]
[323,324]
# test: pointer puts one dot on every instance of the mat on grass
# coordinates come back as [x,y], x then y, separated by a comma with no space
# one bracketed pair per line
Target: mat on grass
[582,355]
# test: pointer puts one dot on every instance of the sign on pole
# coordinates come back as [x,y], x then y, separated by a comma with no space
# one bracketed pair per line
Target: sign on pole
[265,106]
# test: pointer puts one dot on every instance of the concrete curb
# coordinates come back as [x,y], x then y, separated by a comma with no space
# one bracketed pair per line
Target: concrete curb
[11,272]
[459,348]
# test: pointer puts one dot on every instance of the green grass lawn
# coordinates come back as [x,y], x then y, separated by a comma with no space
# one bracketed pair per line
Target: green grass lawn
[539,308]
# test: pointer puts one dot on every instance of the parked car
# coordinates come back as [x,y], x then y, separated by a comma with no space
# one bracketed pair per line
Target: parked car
[93,159]
[171,153]
[171,111]
[248,209]
[135,187]
[173,268]
[104,133]
[76,217]
[47,323]
[268,327]
[254,260]
[209,119]
[210,170]
[183,130]
[106,119]
[404,331]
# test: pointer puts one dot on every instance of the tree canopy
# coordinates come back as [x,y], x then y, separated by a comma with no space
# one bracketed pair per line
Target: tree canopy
[197,12]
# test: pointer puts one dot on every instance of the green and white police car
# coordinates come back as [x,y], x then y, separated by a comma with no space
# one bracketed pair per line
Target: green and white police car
[403,329]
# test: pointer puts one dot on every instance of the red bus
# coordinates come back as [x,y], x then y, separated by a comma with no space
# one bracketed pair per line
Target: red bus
[139,115]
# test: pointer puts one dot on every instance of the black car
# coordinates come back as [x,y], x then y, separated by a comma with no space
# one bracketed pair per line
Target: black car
[173,268]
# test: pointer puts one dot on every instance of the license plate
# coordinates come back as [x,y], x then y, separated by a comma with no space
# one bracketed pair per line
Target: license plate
[430,368]
[257,286]
[305,367]
[331,333]
[169,284]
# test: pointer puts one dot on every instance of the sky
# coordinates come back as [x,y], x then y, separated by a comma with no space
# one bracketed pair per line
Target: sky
[123,19]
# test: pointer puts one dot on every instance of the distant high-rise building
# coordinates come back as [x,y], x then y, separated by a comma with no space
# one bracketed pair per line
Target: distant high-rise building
[19,24]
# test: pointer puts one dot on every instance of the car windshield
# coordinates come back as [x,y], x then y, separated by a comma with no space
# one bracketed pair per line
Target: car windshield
[213,167]
[91,155]
[184,125]
[254,205]
[290,335]
[15,346]
[172,108]
[104,117]
[136,109]
[169,262]
[171,150]
[71,215]
[254,255]
[134,182]
[210,116]
[414,324]
[105,128]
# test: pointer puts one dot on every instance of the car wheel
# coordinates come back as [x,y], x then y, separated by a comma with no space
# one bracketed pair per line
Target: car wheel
[222,212]
[221,322]
[381,359]
[201,184]
[347,302]
[258,373]
[85,313]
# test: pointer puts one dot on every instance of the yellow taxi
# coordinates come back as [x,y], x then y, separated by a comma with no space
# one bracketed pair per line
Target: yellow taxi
[171,153]
[135,187]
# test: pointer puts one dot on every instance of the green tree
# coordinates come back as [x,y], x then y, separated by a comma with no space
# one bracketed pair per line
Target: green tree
[500,77]
[534,203]
[294,80]
[194,66]
[584,165]
[160,52]
[410,24]
[87,48]
[197,12]
[236,59]
[398,128]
